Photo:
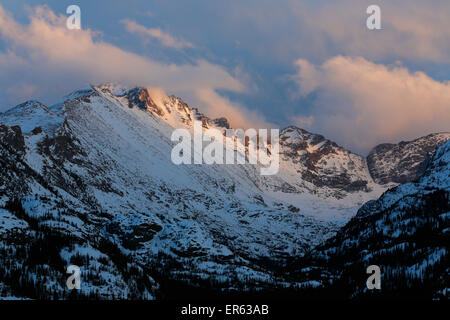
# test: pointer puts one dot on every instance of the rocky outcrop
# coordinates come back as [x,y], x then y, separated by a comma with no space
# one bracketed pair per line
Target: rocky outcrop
[405,161]
[322,162]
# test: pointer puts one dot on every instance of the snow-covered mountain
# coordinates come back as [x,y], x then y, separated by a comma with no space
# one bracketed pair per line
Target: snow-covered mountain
[321,164]
[404,161]
[405,232]
[90,181]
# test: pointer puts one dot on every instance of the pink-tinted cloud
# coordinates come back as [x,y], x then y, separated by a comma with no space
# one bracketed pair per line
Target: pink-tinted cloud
[240,115]
[58,60]
[156,33]
[361,104]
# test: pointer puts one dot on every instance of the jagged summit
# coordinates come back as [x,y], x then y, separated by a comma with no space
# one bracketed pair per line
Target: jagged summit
[170,108]
[404,161]
[323,163]
[302,138]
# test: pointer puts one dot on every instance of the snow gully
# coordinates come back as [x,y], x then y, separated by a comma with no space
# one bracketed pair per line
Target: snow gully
[240,146]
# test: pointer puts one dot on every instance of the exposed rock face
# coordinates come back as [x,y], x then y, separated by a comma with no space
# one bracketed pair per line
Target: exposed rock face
[14,172]
[405,161]
[322,162]
[222,122]
[141,98]
[12,138]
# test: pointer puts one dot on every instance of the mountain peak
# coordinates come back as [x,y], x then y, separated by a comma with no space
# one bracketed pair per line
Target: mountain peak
[294,134]
[404,161]
[30,115]
[112,87]
[28,106]
[169,108]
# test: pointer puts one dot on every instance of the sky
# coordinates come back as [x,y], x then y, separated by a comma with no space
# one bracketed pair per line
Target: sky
[260,63]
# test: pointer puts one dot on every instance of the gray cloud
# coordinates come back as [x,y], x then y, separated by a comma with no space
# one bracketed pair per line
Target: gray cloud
[414,30]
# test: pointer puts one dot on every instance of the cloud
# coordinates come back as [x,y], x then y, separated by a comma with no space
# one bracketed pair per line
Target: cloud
[303,121]
[22,90]
[307,78]
[240,115]
[54,60]
[360,104]
[413,30]
[156,33]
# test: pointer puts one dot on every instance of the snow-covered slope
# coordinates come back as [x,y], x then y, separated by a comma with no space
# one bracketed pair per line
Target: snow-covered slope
[405,232]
